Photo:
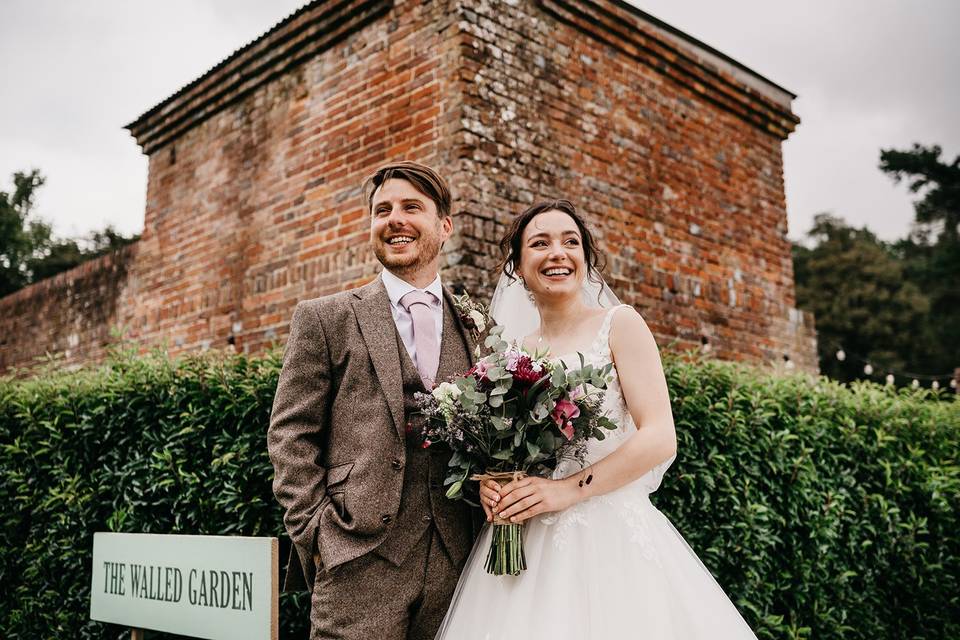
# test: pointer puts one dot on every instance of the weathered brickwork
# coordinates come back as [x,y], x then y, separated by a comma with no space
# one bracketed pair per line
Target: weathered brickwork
[253,190]
[68,317]
[572,99]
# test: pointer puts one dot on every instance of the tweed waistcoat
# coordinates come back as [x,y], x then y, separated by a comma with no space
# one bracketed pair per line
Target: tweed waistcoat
[422,501]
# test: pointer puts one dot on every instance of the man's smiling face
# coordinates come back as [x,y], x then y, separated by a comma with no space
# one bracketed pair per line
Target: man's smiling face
[405,231]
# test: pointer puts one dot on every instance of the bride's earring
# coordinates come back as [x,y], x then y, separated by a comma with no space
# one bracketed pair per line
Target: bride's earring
[526,288]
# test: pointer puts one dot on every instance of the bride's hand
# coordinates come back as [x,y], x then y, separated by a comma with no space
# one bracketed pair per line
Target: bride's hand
[489,497]
[527,497]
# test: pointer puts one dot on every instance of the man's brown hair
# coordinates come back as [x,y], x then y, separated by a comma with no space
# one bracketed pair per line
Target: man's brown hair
[423,178]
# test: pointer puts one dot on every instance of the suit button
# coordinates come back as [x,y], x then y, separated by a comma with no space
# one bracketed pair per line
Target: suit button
[396,464]
[386,519]
[427,518]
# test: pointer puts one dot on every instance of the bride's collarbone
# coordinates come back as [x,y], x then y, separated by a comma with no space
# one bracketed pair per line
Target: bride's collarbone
[578,339]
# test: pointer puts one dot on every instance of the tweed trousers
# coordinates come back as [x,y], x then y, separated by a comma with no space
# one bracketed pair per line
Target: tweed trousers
[370,598]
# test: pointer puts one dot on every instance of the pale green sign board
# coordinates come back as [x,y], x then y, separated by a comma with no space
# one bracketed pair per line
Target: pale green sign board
[216,587]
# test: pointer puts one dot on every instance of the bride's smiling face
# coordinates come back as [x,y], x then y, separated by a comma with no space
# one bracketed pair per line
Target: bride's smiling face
[552,259]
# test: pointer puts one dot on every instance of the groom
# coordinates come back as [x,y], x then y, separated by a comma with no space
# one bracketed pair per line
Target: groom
[373,534]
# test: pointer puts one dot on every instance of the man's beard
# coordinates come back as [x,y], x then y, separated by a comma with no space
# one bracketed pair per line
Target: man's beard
[400,265]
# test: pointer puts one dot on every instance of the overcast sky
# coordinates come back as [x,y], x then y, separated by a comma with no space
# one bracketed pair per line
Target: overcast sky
[869,74]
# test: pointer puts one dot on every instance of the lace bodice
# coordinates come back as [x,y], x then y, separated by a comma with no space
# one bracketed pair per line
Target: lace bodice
[614,407]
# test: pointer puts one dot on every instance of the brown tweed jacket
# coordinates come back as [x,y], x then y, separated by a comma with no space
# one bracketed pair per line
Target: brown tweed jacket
[339,413]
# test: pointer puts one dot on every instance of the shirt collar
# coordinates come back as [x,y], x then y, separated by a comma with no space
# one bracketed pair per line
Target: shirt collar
[397,288]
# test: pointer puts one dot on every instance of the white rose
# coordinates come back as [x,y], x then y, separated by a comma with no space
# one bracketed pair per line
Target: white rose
[446,392]
[478,320]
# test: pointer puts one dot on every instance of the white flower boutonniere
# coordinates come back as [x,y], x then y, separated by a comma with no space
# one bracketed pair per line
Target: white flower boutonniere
[472,314]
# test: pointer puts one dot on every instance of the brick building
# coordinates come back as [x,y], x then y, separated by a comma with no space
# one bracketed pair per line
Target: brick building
[671,148]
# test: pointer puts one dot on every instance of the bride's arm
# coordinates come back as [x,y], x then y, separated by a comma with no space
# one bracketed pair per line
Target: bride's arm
[648,400]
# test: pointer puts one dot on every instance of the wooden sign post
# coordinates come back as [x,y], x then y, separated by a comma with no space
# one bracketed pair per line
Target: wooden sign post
[214,587]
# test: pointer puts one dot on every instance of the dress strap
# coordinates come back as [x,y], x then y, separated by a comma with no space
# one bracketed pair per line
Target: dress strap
[603,338]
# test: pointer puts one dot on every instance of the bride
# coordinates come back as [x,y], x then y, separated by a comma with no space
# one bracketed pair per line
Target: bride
[602,562]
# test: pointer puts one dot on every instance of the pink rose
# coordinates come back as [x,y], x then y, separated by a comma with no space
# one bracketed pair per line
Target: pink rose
[479,370]
[563,414]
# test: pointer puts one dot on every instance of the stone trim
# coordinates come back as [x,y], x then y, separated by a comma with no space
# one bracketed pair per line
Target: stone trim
[724,83]
[310,31]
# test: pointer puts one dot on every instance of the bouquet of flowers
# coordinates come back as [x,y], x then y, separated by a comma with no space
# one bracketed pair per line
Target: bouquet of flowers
[513,414]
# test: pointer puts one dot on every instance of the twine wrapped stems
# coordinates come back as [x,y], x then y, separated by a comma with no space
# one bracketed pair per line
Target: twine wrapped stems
[505,556]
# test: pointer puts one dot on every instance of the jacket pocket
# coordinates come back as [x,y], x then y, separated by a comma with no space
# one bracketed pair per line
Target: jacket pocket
[336,487]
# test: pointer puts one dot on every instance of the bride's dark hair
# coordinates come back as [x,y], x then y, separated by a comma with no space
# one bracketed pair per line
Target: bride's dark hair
[511,242]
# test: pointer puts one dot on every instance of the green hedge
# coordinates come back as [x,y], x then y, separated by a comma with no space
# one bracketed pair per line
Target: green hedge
[824,511]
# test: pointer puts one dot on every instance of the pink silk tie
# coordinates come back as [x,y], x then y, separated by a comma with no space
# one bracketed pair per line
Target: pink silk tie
[425,341]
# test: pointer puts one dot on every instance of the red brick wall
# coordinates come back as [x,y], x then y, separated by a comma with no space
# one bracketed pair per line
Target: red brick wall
[253,196]
[686,192]
[261,206]
[66,319]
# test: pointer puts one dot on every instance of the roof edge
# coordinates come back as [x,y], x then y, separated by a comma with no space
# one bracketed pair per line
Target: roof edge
[701,69]
[699,44]
[305,33]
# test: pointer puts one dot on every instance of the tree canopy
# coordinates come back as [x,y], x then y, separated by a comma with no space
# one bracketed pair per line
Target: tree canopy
[894,306]
[29,251]
[939,181]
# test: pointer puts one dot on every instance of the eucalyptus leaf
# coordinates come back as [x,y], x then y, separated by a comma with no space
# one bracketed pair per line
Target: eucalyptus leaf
[454,490]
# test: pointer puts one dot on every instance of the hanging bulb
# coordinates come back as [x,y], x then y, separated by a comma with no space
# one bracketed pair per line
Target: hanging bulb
[915,384]
[935,385]
[889,378]
[841,355]
[868,369]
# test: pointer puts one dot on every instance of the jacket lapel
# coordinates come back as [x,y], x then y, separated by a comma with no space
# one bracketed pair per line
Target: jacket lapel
[466,335]
[372,307]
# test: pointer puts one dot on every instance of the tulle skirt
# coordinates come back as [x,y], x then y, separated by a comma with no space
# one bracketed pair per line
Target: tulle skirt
[608,568]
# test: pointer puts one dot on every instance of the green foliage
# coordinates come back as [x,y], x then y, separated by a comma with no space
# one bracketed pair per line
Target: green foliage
[824,511]
[139,445]
[28,250]
[19,237]
[931,254]
[896,305]
[869,307]
[939,181]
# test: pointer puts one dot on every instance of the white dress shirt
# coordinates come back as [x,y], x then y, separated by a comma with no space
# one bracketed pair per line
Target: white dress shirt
[396,289]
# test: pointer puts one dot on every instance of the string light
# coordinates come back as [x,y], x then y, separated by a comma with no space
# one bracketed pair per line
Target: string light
[915,378]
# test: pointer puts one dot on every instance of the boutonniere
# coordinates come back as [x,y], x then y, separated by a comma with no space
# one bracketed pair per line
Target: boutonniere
[472,314]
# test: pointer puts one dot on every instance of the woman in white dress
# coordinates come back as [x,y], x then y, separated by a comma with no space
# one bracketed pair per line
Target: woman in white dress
[602,562]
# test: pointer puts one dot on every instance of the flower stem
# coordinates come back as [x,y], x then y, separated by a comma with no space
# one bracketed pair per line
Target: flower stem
[506,555]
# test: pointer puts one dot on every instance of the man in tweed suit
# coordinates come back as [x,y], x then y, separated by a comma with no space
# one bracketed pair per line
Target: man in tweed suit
[373,535]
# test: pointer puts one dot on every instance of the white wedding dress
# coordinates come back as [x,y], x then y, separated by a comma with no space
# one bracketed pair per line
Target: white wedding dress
[609,568]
